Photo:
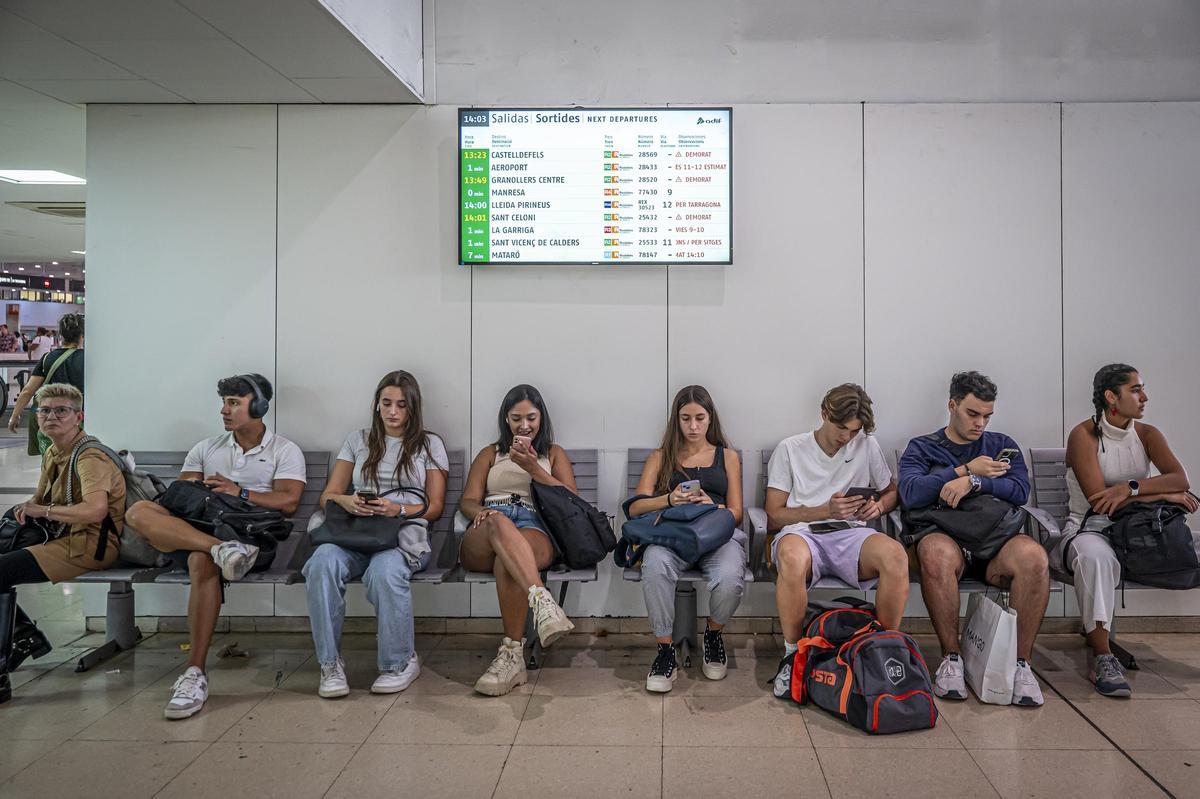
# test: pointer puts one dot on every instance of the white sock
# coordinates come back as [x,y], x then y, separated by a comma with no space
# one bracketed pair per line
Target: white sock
[789,648]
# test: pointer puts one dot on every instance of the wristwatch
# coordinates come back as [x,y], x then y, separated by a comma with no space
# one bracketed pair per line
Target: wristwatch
[976,483]
[1134,488]
[244,494]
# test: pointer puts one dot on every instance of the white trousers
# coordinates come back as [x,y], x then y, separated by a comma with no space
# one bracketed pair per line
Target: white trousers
[1097,574]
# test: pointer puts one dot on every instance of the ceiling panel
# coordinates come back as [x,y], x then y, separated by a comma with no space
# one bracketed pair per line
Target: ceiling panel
[263,18]
[358,90]
[55,60]
[15,29]
[105,91]
[202,70]
[112,19]
[316,57]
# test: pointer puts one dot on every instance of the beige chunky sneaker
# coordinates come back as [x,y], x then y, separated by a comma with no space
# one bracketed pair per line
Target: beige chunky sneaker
[549,618]
[507,670]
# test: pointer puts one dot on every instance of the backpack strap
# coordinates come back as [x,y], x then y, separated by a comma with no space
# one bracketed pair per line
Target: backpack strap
[59,361]
[108,525]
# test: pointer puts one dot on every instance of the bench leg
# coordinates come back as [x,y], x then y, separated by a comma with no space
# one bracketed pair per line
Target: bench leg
[535,646]
[684,630]
[119,627]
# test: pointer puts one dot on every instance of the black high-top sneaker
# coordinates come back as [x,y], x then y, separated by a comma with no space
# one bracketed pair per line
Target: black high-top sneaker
[664,670]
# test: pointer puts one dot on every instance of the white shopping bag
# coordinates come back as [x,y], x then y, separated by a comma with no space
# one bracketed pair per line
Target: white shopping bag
[989,649]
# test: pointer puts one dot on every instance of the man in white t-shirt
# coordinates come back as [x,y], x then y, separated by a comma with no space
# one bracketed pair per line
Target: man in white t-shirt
[823,489]
[247,461]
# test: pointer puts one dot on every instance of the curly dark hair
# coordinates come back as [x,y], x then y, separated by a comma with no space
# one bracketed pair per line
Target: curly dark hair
[239,386]
[70,327]
[964,383]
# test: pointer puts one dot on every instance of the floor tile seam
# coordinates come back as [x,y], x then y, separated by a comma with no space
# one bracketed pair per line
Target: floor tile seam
[978,765]
[342,770]
[500,775]
[199,755]
[52,750]
[1108,738]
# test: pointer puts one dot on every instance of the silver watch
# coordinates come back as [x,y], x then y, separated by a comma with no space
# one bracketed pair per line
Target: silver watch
[976,483]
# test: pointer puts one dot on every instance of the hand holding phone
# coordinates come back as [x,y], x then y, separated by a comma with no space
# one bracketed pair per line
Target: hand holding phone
[366,495]
[869,494]
[689,486]
[1007,454]
[523,443]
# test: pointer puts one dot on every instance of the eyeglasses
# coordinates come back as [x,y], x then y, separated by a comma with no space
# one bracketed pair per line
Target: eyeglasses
[60,412]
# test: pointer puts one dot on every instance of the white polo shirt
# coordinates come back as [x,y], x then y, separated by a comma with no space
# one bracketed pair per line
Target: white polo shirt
[810,477]
[257,469]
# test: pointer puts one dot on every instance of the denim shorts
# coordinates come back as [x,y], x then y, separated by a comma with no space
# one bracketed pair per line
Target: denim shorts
[521,516]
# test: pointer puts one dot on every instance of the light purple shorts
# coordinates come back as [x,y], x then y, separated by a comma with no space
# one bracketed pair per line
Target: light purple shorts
[833,554]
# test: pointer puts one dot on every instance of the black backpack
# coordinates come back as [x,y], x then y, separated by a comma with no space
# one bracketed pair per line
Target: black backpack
[853,668]
[581,532]
[1154,545]
[228,518]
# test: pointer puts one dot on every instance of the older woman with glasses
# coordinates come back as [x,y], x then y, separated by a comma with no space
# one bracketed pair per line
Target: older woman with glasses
[80,512]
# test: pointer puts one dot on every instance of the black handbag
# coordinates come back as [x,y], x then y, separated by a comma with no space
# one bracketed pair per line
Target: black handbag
[365,534]
[581,532]
[981,524]
[690,531]
[228,518]
[14,535]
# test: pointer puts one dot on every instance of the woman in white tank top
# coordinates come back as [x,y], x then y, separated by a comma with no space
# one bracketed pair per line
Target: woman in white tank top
[507,535]
[1110,460]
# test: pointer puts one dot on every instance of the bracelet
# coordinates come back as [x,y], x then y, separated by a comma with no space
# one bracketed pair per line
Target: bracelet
[49,508]
[670,504]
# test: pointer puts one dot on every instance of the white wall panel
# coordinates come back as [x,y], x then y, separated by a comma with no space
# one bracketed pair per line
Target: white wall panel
[181,244]
[962,264]
[1131,234]
[368,280]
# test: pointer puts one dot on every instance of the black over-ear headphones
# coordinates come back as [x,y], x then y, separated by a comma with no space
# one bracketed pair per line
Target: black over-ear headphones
[260,404]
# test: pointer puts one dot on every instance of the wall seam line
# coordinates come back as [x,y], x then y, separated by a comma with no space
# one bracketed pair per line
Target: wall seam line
[863,199]
[1062,280]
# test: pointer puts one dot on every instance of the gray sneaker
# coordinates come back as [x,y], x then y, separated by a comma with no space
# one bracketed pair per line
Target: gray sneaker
[187,695]
[234,559]
[1109,677]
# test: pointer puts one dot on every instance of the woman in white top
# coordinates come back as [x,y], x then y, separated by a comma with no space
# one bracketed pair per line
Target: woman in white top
[507,535]
[42,344]
[1109,459]
[396,451]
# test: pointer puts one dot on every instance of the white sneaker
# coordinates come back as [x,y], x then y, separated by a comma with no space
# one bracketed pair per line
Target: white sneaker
[234,558]
[551,622]
[506,672]
[187,695]
[949,682]
[1026,691]
[333,680]
[393,682]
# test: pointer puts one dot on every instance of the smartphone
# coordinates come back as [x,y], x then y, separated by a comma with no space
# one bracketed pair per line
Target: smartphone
[689,486]
[827,527]
[1007,454]
[525,442]
[866,493]
[367,495]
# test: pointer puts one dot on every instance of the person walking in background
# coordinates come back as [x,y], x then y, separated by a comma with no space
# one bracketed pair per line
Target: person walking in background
[42,343]
[8,340]
[61,365]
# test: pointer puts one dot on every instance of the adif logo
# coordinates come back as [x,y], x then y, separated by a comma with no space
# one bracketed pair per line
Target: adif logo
[895,670]
[703,121]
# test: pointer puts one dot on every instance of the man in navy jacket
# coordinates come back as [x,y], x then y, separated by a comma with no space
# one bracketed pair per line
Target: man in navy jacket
[942,468]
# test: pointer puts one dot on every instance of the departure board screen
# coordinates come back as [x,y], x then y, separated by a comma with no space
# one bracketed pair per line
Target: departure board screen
[595,186]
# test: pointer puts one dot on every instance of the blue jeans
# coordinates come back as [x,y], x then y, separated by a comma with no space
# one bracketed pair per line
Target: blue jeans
[386,576]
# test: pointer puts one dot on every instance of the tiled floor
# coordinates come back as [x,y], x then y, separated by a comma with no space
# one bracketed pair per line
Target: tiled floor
[582,727]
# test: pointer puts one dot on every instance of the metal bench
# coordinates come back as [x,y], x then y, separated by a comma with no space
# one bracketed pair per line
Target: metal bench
[585,464]
[1049,510]
[685,633]
[283,569]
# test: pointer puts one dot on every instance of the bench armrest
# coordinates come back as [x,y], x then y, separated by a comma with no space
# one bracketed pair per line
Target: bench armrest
[893,526]
[756,527]
[1044,529]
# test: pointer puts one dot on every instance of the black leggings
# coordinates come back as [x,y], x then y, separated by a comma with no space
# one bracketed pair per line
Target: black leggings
[19,568]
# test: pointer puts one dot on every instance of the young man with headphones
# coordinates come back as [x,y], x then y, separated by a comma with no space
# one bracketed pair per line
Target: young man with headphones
[247,461]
